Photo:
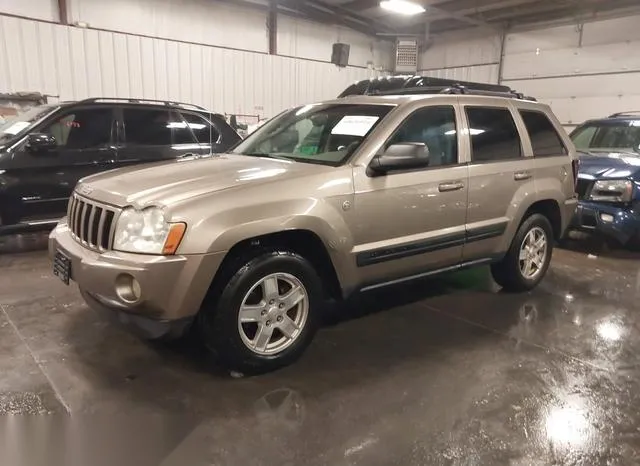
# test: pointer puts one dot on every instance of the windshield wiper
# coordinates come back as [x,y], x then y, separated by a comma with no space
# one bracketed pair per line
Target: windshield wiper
[269,156]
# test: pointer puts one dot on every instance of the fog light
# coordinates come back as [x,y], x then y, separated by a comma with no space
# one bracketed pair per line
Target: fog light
[606,218]
[128,288]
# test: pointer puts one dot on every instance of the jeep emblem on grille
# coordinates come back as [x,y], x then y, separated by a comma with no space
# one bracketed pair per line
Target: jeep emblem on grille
[85,189]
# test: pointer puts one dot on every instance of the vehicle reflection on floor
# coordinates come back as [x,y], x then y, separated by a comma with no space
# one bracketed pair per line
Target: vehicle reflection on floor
[23,243]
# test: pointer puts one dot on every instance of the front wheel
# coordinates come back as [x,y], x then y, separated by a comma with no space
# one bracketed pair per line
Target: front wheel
[528,258]
[266,314]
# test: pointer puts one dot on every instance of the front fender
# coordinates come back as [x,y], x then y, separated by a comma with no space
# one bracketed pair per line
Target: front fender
[227,228]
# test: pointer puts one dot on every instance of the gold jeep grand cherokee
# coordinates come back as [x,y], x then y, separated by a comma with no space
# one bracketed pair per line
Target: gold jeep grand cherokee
[322,201]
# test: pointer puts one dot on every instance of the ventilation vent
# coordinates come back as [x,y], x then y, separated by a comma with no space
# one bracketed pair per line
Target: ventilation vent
[406,56]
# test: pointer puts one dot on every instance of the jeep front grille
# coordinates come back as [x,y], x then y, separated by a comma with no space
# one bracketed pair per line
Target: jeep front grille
[91,224]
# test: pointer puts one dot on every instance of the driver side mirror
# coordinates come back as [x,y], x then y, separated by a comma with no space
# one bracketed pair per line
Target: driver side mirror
[37,142]
[404,156]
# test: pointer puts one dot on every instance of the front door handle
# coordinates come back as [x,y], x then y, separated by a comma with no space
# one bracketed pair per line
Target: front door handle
[450,186]
[520,176]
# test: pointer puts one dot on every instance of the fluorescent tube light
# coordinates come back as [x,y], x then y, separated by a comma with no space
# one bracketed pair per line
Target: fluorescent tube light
[402,7]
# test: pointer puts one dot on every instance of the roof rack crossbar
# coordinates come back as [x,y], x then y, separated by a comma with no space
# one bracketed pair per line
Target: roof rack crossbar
[629,113]
[168,103]
[456,89]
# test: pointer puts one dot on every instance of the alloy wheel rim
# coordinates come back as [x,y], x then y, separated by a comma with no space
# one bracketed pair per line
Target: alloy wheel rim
[533,253]
[273,313]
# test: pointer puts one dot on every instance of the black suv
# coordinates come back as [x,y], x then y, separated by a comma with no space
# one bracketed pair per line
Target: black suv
[47,149]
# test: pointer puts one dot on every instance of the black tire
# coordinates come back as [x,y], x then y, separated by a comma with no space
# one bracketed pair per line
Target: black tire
[218,319]
[507,272]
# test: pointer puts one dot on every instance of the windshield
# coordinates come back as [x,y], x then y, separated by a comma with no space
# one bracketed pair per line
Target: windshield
[324,134]
[20,124]
[621,135]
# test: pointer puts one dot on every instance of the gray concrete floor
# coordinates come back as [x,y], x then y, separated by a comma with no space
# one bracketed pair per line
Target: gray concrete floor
[445,372]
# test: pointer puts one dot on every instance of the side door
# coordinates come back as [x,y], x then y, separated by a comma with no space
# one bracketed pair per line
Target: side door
[501,177]
[410,222]
[148,134]
[84,145]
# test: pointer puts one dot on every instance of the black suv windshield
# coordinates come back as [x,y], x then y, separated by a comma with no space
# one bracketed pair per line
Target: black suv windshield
[324,134]
[21,123]
[621,135]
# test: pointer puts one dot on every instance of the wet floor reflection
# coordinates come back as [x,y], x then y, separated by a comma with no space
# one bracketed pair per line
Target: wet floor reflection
[28,242]
[448,371]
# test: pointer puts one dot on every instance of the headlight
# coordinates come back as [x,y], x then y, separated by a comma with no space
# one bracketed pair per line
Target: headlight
[612,191]
[147,232]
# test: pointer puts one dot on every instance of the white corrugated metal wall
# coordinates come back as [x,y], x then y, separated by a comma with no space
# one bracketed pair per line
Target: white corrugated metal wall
[467,56]
[582,75]
[75,63]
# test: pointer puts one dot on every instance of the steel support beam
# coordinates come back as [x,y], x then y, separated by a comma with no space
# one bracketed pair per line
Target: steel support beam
[459,17]
[340,11]
[63,12]
[301,10]
[436,12]
[468,9]
[326,14]
[272,27]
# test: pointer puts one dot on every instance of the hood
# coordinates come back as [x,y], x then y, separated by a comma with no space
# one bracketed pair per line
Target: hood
[170,183]
[609,165]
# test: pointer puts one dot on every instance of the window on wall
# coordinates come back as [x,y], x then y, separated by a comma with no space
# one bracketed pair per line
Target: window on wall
[436,128]
[544,138]
[494,135]
[83,129]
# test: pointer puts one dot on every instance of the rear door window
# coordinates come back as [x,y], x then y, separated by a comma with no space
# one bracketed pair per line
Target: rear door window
[180,131]
[204,131]
[545,140]
[156,127]
[147,127]
[494,135]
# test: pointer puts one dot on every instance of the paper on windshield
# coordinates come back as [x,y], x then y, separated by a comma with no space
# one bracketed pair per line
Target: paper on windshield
[355,125]
[16,127]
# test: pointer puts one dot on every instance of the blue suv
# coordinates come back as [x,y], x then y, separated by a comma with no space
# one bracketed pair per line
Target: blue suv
[608,183]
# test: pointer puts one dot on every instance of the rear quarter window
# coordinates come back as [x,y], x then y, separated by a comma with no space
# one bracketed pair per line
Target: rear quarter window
[545,140]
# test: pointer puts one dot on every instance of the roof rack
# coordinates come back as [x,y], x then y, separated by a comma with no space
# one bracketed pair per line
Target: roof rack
[403,85]
[622,114]
[168,103]
[455,89]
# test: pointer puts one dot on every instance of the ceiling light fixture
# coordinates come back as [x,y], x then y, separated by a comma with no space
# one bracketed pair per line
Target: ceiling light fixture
[402,7]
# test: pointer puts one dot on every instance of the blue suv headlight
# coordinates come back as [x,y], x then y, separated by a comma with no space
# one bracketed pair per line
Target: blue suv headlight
[612,191]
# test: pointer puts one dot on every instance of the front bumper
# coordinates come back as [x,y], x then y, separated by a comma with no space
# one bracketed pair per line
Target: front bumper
[619,222]
[172,288]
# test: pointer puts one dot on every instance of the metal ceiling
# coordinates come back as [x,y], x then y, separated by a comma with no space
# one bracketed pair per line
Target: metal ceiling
[445,15]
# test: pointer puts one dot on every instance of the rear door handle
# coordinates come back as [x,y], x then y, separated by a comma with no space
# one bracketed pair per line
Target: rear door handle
[520,176]
[451,186]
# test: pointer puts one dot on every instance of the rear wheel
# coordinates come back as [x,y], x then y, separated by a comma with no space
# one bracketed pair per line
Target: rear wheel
[529,256]
[265,315]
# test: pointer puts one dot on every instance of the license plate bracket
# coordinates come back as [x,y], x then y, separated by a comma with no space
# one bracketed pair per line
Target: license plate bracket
[62,267]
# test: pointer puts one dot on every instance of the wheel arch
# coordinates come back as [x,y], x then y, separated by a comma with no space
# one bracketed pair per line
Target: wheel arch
[304,242]
[549,208]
